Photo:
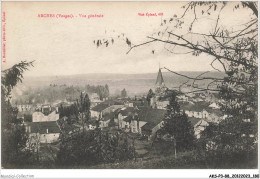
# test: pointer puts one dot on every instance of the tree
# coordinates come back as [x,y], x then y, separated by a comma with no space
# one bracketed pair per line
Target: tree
[106,91]
[123,93]
[94,147]
[149,96]
[176,124]
[14,138]
[236,50]
[83,107]
[234,47]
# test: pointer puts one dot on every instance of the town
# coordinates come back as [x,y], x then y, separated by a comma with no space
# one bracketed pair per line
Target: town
[179,91]
[141,117]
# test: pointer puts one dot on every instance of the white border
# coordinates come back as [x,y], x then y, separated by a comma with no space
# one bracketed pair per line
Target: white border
[123,173]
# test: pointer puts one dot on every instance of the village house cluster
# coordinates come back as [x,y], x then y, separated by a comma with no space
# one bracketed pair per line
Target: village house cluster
[137,115]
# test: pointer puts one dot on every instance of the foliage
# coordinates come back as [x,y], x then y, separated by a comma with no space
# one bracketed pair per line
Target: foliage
[94,147]
[232,47]
[149,96]
[102,91]
[123,93]
[10,77]
[56,92]
[176,124]
[14,151]
[83,106]
[14,138]
[68,111]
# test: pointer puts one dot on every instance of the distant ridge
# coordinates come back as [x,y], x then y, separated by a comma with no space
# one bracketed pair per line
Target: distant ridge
[134,83]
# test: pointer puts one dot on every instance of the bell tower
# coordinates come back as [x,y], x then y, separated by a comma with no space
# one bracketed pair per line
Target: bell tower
[159,84]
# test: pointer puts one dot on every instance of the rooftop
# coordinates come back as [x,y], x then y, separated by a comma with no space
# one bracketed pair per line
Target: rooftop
[108,116]
[151,116]
[199,106]
[193,120]
[128,111]
[100,107]
[128,118]
[41,127]
[159,80]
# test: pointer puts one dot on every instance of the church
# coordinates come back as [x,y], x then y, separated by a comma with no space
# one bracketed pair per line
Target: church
[159,101]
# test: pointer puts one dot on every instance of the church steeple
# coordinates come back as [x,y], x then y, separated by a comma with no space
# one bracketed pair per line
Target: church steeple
[159,80]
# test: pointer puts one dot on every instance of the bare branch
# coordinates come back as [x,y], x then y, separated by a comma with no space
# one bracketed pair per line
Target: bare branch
[140,45]
[206,50]
[191,78]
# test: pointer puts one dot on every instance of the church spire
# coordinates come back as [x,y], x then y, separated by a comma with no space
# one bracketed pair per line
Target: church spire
[159,80]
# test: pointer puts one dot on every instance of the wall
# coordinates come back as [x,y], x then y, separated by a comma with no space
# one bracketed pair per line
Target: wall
[40,117]
[46,138]
[104,123]
[94,114]
[134,126]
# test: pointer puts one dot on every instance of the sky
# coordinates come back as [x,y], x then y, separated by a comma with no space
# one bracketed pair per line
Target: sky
[65,46]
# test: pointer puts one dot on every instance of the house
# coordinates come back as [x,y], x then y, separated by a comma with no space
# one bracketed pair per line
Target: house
[44,132]
[150,121]
[144,120]
[104,122]
[183,98]
[125,123]
[40,117]
[136,125]
[24,107]
[214,106]
[199,126]
[112,108]
[94,99]
[46,114]
[97,110]
[201,110]
[105,107]
[92,124]
[197,114]
[124,116]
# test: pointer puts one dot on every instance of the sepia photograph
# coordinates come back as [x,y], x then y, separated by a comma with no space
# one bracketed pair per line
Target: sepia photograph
[130,85]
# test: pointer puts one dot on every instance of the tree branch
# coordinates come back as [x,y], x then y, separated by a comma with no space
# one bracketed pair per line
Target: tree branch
[140,45]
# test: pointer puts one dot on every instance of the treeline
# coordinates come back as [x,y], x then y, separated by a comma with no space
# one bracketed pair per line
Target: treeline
[59,92]
[102,91]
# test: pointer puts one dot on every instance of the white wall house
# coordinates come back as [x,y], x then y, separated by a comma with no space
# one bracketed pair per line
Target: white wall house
[24,107]
[197,114]
[135,127]
[44,132]
[95,114]
[104,123]
[199,127]
[40,117]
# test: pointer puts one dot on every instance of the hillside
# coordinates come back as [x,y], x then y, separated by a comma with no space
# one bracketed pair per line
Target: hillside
[133,83]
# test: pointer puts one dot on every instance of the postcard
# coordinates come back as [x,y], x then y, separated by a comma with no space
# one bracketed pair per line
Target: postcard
[129,85]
